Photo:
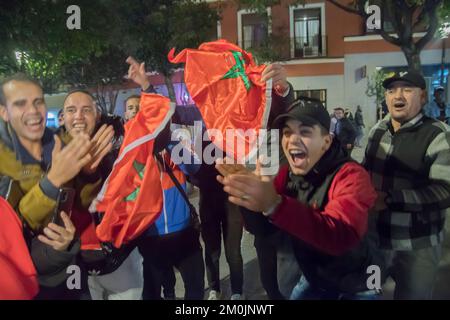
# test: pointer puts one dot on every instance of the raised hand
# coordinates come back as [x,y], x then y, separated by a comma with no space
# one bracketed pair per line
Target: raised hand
[247,189]
[68,162]
[59,238]
[277,73]
[101,145]
[227,166]
[136,72]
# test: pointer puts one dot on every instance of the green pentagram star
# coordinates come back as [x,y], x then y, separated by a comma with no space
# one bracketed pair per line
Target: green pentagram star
[238,70]
[139,167]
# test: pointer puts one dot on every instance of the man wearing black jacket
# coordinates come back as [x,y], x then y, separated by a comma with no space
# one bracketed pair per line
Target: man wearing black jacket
[359,123]
[344,130]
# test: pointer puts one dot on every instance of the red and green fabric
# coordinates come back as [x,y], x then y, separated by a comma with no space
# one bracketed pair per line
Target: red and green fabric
[225,84]
[131,197]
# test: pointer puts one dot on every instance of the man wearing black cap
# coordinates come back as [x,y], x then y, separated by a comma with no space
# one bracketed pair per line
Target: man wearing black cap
[437,108]
[408,158]
[322,199]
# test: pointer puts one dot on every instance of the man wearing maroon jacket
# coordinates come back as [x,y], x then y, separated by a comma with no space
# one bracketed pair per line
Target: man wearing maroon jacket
[322,199]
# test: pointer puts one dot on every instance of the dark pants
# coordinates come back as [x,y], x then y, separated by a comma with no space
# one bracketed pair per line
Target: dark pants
[62,292]
[168,284]
[218,217]
[305,291]
[278,267]
[414,271]
[181,250]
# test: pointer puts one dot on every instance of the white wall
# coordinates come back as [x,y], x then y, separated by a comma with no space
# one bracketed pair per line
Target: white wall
[354,93]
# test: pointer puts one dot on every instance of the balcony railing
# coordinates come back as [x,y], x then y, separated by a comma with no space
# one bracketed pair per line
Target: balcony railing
[253,44]
[285,49]
[308,47]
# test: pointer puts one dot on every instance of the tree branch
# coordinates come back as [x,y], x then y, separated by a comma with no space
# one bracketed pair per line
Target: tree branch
[432,27]
[345,8]
[419,19]
[403,15]
[389,38]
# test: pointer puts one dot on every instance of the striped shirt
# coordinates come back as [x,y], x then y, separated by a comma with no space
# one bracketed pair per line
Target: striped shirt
[412,166]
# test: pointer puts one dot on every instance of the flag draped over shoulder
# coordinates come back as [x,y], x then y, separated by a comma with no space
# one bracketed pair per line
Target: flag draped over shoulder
[131,197]
[225,84]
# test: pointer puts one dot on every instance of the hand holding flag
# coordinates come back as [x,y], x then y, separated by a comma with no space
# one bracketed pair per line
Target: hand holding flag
[277,73]
[226,85]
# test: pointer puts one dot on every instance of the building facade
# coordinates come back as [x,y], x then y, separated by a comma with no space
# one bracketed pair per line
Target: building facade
[328,53]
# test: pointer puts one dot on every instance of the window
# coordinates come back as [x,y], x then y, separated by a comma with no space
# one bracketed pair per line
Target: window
[254,30]
[319,94]
[307,33]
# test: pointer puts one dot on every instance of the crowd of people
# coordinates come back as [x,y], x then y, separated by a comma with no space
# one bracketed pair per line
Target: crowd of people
[319,224]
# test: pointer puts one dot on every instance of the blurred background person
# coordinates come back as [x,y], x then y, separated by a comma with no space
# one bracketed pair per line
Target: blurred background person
[359,126]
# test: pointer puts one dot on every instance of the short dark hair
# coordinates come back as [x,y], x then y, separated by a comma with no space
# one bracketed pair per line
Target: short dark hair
[339,109]
[134,96]
[78,90]
[20,77]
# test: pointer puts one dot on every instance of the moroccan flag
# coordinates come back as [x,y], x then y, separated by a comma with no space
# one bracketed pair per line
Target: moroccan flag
[131,197]
[18,278]
[225,84]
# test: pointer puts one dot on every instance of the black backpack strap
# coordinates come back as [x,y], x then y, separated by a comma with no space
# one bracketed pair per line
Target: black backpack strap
[177,183]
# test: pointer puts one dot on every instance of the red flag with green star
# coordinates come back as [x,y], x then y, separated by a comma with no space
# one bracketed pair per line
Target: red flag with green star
[225,84]
[131,197]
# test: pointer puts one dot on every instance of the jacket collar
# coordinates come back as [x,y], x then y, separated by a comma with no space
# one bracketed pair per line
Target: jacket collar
[5,137]
[334,157]
[414,122]
[22,155]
